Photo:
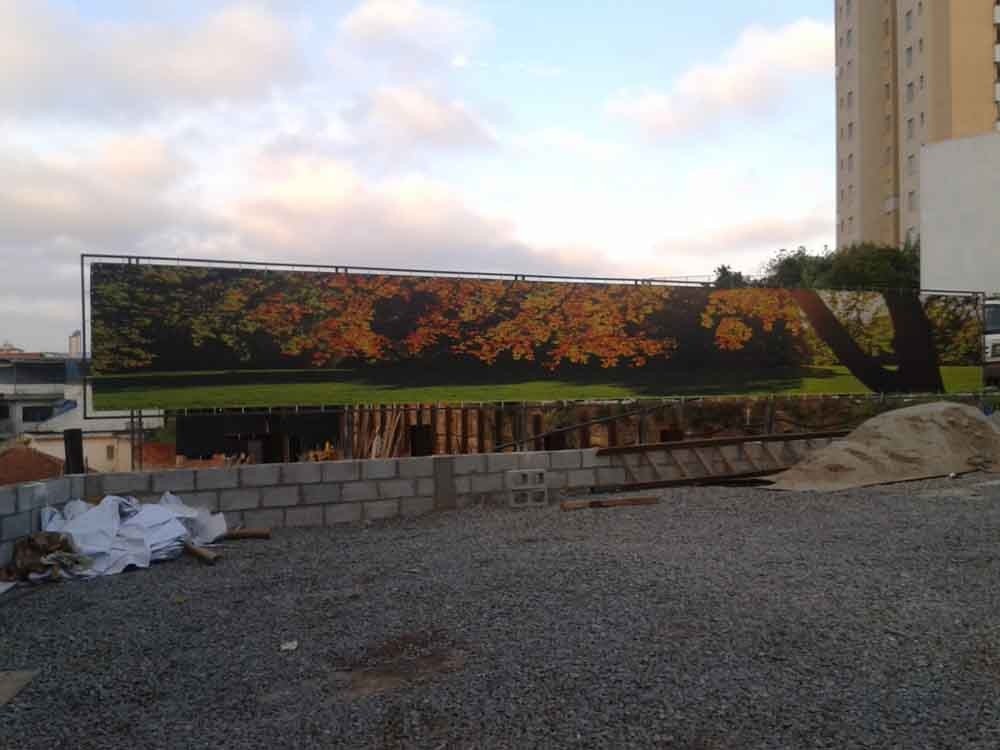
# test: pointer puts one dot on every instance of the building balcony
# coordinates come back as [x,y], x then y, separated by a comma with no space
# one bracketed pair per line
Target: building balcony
[996,14]
[32,390]
[996,53]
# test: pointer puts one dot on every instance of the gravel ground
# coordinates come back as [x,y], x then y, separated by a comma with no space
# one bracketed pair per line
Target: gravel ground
[722,618]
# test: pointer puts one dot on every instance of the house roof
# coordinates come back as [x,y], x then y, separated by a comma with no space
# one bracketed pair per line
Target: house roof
[19,463]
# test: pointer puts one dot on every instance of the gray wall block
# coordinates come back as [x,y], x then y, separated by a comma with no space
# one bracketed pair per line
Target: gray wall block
[273,517]
[18,525]
[239,499]
[304,516]
[355,491]
[302,473]
[341,471]
[381,509]
[612,475]
[77,486]
[425,487]
[592,461]
[444,483]
[342,513]
[260,475]
[32,495]
[8,500]
[582,478]
[384,468]
[471,464]
[279,496]
[566,460]
[422,466]
[125,484]
[501,462]
[321,493]
[6,553]
[392,488]
[487,483]
[208,500]
[533,460]
[217,479]
[173,481]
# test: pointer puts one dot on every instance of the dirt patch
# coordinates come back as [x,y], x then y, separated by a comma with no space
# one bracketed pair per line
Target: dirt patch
[401,662]
[929,440]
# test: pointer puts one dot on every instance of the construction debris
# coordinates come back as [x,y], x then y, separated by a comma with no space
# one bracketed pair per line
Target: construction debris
[615,502]
[919,442]
[12,683]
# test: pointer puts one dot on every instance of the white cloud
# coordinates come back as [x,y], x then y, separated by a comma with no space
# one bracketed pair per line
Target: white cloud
[412,31]
[52,61]
[409,117]
[751,79]
[570,142]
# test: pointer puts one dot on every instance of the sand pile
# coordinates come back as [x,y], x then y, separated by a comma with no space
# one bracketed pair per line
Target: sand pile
[917,442]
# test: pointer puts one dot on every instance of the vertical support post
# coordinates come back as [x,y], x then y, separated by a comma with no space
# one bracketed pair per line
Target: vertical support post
[434,430]
[480,431]
[584,436]
[447,430]
[465,429]
[497,427]
[537,429]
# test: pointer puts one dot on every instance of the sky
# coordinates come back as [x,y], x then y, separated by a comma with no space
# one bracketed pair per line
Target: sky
[655,138]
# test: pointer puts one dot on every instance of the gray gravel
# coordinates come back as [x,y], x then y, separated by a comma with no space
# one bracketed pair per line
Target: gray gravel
[722,618]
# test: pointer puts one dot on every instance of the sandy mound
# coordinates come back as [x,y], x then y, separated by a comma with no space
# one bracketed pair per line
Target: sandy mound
[918,442]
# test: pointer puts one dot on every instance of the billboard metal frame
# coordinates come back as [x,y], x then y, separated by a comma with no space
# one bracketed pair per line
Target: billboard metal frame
[86,259]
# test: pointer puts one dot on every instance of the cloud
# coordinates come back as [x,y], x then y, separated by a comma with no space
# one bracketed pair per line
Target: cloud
[751,79]
[323,210]
[412,31]
[53,61]
[411,117]
[572,143]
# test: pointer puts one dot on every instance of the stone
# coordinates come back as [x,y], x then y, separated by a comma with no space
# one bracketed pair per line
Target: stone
[342,513]
[279,496]
[239,499]
[304,516]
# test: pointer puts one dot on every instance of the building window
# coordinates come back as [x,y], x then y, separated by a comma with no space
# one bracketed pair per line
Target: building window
[888,156]
[850,162]
[909,129]
[888,123]
[850,99]
[921,119]
[850,223]
[911,165]
[920,7]
[909,20]
[922,81]
[909,56]
[850,194]
[888,92]
[4,411]
[885,27]
[850,130]
[110,452]
[920,45]
[847,6]
[36,413]
[849,39]
[911,200]
[909,91]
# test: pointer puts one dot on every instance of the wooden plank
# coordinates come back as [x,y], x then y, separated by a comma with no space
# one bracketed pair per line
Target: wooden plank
[706,442]
[616,502]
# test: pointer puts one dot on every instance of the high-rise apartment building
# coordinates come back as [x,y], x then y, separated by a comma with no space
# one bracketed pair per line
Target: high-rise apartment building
[909,72]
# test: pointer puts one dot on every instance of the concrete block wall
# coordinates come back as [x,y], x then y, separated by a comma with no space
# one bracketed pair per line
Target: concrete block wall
[313,494]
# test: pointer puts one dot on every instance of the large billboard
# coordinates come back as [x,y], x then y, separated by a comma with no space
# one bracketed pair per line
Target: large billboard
[173,336]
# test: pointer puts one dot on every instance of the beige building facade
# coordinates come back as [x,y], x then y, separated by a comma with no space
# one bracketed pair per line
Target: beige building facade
[909,73]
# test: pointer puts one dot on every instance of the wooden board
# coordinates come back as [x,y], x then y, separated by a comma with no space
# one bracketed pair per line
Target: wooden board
[613,502]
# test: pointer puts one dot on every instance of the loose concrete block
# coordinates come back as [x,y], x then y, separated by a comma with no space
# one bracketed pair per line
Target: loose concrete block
[355,491]
[15,526]
[487,483]
[380,509]
[496,462]
[392,488]
[125,483]
[444,482]
[341,471]
[239,499]
[77,487]
[261,475]
[473,464]
[533,460]
[6,553]
[32,495]
[272,517]
[612,475]
[217,479]
[271,497]
[416,506]
[173,481]
[379,469]
[58,490]
[8,501]
[422,466]
[592,461]
[208,500]
[304,516]
[582,478]
[566,460]
[425,487]
[342,513]
[302,473]
[320,494]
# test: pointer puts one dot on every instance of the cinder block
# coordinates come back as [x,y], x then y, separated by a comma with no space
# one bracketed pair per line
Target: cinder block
[611,475]
[444,483]
[422,466]
[496,462]
[471,464]
[523,478]
[6,553]
[234,519]
[342,513]
[392,488]
[381,509]
[487,482]
[58,490]
[271,497]
[555,480]
[260,475]
[15,526]
[239,499]
[272,517]
[531,497]
[591,460]
[302,473]
[208,500]
[320,494]
[32,495]
[566,460]
[8,501]
[77,487]
[93,487]
[463,485]
[341,471]
[173,481]
[382,468]
[304,516]
[217,479]
[355,491]
[533,460]
[416,506]
[582,478]
[125,483]
[425,487]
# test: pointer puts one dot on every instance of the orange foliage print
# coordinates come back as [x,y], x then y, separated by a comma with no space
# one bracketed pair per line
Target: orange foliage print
[728,311]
